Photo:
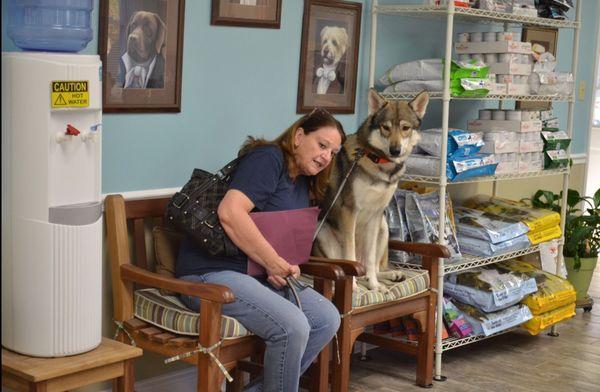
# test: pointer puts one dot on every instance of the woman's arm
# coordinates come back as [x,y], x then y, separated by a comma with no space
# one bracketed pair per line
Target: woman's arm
[234,214]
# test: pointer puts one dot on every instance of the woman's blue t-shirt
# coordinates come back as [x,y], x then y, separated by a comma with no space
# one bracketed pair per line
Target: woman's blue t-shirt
[263,177]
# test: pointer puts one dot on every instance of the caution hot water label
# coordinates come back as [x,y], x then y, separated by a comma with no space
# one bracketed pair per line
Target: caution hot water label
[70,94]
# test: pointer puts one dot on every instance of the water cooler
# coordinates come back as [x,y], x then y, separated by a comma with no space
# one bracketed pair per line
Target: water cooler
[51,203]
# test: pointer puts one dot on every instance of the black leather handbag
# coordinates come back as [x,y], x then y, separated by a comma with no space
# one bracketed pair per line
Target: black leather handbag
[193,210]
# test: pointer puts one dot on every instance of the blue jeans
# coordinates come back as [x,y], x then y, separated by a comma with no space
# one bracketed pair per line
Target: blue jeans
[293,338]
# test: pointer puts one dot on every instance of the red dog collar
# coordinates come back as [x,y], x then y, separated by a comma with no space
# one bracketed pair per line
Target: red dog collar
[376,158]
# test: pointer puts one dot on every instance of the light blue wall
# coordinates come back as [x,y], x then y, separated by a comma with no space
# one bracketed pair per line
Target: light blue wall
[241,81]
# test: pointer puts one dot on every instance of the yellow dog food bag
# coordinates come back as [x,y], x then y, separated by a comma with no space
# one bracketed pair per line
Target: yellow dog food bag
[542,321]
[535,218]
[543,235]
[553,291]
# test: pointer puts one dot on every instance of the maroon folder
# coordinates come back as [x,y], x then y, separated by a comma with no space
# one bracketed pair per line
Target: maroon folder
[289,232]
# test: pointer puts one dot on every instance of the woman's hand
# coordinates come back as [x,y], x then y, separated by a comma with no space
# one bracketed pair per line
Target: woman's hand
[277,279]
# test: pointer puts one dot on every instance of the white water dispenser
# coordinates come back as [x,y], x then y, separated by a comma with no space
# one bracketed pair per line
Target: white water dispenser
[51,203]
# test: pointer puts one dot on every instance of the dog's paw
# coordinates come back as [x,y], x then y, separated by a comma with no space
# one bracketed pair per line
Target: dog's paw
[374,285]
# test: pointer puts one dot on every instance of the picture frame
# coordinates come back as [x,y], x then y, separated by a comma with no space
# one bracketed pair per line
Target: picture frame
[246,13]
[329,56]
[548,38]
[140,43]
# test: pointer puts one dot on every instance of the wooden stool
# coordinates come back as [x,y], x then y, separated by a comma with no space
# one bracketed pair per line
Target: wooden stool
[110,360]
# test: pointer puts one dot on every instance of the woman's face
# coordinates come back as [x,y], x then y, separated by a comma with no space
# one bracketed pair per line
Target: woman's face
[315,150]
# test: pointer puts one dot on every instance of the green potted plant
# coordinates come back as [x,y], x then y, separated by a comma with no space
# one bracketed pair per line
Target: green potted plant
[582,236]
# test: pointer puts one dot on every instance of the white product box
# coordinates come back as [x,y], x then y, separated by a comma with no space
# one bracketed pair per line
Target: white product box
[532,12]
[493,47]
[507,167]
[496,88]
[504,125]
[531,161]
[518,89]
[531,146]
[511,68]
[500,147]
[527,115]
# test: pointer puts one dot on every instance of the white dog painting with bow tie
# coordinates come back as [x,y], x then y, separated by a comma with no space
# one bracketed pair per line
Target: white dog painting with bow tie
[330,71]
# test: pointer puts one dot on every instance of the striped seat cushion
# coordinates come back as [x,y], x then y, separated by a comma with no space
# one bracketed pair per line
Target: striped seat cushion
[169,313]
[414,282]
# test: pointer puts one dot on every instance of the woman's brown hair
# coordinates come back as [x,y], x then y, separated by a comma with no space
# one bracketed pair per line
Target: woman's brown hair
[311,122]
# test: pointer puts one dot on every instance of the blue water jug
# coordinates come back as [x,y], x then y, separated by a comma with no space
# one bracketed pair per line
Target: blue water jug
[50,25]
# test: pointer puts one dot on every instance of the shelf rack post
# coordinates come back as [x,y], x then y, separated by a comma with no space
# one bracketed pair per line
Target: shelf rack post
[373,46]
[565,190]
[443,183]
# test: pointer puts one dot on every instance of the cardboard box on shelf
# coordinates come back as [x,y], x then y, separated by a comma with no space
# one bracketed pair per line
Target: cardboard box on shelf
[493,47]
[504,125]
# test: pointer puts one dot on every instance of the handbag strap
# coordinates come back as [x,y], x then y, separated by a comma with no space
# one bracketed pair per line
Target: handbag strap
[221,174]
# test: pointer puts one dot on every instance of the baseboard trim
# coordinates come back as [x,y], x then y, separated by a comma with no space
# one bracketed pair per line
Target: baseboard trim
[579,159]
[178,381]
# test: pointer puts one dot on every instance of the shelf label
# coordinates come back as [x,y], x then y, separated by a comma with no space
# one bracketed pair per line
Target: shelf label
[69,94]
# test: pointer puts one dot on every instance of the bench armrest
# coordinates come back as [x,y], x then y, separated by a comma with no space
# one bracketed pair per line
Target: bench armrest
[323,270]
[212,292]
[351,268]
[432,250]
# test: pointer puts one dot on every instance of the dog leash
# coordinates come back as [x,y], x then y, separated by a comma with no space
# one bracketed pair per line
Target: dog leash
[357,155]
[292,282]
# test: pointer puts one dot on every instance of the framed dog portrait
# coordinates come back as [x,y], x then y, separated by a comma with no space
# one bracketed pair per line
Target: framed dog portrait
[141,47]
[246,13]
[329,56]
[547,38]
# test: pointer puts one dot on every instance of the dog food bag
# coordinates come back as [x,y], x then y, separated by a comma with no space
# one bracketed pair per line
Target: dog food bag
[484,248]
[472,68]
[397,224]
[543,235]
[427,69]
[534,218]
[490,323]
[487,226]
[455,320]
[553,291]
[457,168]
[489,288]
[542,321]
[422,218]
[460,143]
[464,168]
[409,86]
[469,87]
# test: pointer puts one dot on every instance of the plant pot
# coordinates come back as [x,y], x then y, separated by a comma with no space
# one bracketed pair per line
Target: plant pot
[582,278]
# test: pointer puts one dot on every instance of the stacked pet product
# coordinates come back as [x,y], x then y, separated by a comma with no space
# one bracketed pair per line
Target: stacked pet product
[517,7]
[486,234]
[508,59]
[489,298]
[544,80]
[414,76]
[554,300]
[414,217]
[514,136]
[464,160]
[543,224]
[455,321]
[555,141]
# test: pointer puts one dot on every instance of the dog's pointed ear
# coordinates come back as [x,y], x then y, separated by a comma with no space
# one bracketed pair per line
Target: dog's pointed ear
[130,24]
[376,101]
[160,35]
[419,104]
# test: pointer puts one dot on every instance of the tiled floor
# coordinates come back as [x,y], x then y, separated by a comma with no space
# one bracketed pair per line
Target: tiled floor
[512,362]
